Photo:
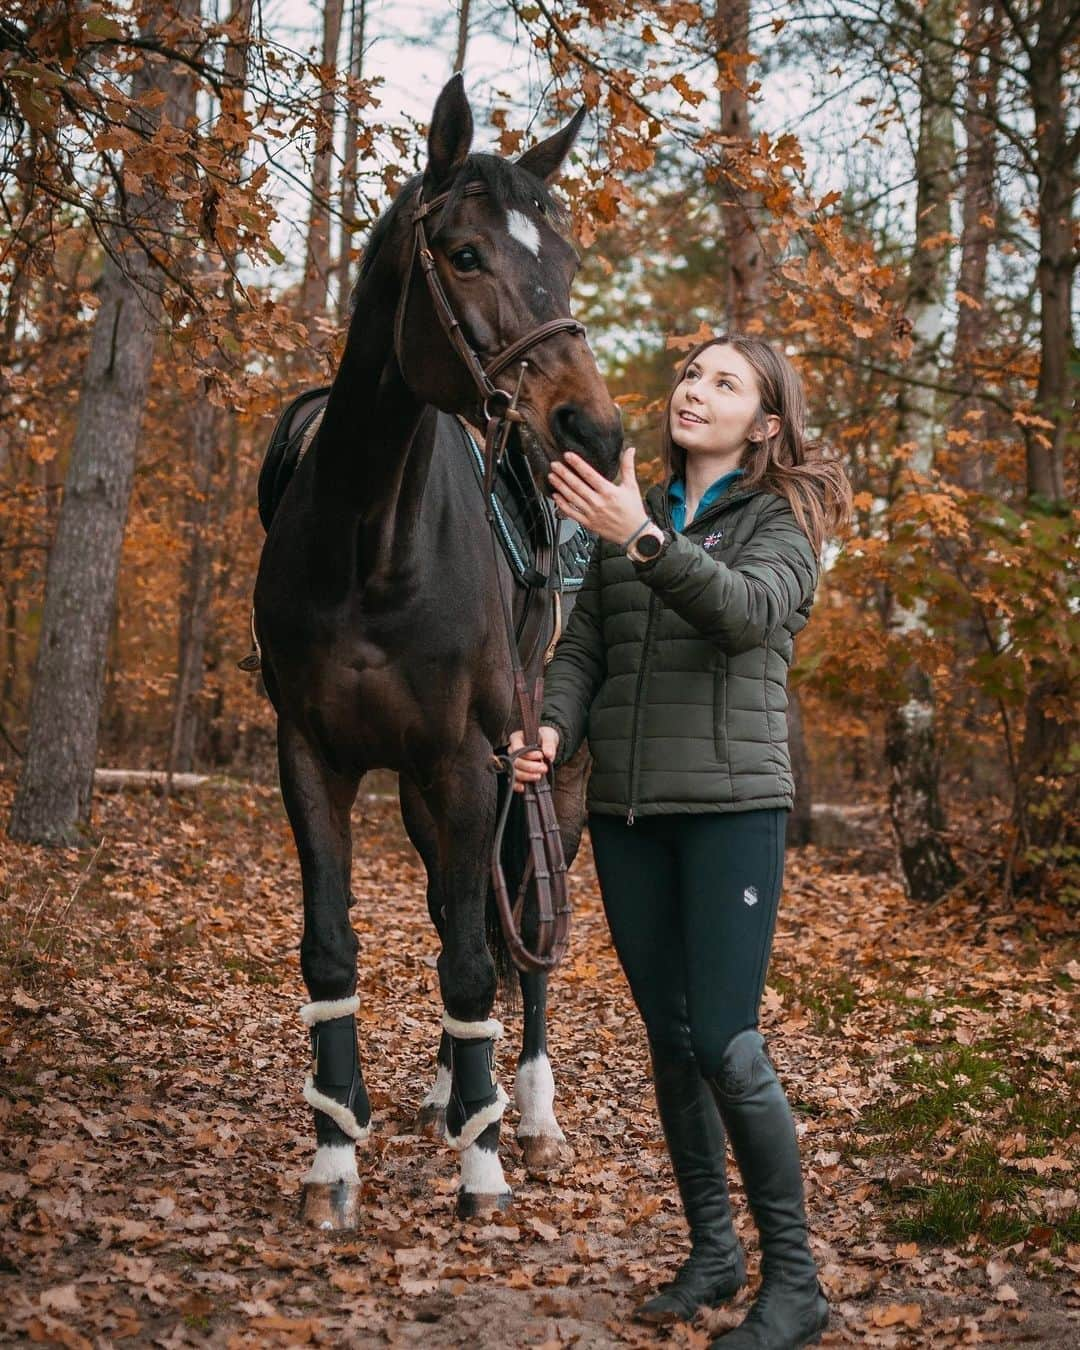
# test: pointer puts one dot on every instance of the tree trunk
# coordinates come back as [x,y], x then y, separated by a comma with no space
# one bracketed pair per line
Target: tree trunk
[1057,158]
[53,797]
[462,37]
[746,258]
[977,208]
[1050,782]
[911,747]
[206,431]
[317,263]
[967,416]
[349,175]
[746,297]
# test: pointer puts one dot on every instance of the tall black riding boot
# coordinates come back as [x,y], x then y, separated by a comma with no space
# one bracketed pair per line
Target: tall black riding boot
[715,1269]
[790,1310]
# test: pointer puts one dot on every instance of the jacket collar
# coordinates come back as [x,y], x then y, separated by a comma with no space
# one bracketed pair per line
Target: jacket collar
[656,499]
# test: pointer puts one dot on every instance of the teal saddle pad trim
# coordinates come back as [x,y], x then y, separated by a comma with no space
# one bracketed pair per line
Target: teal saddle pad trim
[509,514]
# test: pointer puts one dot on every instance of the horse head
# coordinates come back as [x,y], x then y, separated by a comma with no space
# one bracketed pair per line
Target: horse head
[500,253]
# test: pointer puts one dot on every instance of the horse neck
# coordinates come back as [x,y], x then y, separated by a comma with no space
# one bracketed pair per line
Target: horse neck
[374,443]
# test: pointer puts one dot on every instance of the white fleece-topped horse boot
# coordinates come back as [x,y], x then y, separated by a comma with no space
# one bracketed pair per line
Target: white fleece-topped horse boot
[715,1269]
[790,1310]
[473,1115]
[335,1091]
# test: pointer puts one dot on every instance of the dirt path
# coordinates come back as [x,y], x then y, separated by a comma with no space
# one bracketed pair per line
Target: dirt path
[154,1134]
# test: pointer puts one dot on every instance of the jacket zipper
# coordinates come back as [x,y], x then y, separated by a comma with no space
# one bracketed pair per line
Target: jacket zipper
[665,520]
[654,604]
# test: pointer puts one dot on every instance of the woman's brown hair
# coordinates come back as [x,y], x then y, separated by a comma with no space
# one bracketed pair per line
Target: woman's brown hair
[814,484]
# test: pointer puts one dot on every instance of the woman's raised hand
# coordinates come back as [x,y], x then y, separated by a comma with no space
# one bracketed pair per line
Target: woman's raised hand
[611,510]
[531,767]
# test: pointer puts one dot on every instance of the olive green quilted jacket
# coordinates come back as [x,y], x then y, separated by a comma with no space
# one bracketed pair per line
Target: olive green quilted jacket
[676,670]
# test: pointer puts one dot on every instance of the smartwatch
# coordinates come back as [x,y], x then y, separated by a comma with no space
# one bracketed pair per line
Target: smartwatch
[647,545]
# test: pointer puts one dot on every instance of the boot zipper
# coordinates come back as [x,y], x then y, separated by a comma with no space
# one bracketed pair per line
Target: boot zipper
[653,605]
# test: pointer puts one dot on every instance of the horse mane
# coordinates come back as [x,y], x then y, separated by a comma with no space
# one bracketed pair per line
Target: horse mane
[509,187]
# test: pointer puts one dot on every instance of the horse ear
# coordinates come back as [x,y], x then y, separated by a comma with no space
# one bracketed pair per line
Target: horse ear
[544,161]
[451,133]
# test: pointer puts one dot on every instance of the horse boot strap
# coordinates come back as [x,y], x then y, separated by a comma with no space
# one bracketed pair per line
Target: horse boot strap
[338,1096]
[476,1099]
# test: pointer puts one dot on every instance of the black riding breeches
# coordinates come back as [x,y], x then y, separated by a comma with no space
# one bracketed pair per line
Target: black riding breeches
[691,901]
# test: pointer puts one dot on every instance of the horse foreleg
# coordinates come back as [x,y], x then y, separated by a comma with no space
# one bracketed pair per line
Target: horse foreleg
[421,829]
[318,802]
[543,1143]
[463,805]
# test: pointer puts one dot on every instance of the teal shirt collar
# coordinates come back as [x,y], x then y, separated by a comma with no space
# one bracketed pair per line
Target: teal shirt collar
[677,497]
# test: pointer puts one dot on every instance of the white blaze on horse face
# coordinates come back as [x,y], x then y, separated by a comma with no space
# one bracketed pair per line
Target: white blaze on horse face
[524,231]
[481,1172]
[534,1096]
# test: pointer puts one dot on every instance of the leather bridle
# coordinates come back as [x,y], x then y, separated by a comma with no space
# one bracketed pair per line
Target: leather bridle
[545,866]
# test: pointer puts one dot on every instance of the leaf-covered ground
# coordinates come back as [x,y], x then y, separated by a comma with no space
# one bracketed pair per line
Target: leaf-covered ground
[153,1134]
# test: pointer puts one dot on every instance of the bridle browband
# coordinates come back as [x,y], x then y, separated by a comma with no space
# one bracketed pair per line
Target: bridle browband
[546,865]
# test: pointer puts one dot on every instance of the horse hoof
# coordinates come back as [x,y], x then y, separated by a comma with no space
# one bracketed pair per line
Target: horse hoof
[472,1205]
[431,1122]
[544,1155]
[334,1207]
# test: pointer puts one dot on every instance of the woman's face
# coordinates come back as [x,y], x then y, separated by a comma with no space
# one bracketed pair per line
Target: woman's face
[715,404]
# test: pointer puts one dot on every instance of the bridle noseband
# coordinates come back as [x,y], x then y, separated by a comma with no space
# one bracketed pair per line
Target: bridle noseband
[546,865]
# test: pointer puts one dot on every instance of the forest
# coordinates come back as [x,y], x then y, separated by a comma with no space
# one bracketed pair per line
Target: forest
[887,192]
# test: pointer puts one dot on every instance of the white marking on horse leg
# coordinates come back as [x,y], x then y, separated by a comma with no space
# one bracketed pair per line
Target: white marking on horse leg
[524,231]
[534,1096]
[481,1172]
[333,1162]
[439,1092]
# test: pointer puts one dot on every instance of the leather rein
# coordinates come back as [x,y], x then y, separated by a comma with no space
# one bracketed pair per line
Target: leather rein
[545,865]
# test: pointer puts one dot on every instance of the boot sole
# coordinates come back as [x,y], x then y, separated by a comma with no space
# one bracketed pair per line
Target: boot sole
[668,1317]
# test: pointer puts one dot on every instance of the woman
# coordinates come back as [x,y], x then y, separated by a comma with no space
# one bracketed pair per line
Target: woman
[674,664]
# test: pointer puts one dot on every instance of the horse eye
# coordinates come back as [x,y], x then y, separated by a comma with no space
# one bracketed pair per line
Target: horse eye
[540,207]
[465,260]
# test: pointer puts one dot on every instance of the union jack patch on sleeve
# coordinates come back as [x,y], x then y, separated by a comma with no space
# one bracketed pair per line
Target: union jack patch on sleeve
[711,539]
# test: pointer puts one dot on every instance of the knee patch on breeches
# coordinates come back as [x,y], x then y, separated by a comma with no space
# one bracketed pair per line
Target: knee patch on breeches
[743,1062]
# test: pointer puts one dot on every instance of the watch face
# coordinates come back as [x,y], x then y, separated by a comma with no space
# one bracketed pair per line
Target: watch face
[648,545]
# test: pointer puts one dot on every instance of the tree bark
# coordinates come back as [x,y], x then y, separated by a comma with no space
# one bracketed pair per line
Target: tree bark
[977,208]
[206,431]
[746,296]
[317,262]
[462,37]
[53,797]
[745,256]
[1056,153]
[911,745]
[1050,784]
[349,174]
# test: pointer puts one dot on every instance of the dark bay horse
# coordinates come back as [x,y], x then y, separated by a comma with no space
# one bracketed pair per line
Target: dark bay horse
[383,645]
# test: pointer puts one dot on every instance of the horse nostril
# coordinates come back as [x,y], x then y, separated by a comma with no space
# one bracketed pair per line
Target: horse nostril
[574,429]
[570,427]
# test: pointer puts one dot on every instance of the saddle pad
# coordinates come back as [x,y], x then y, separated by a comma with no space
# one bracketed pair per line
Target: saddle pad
[289,442]
[512,507]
